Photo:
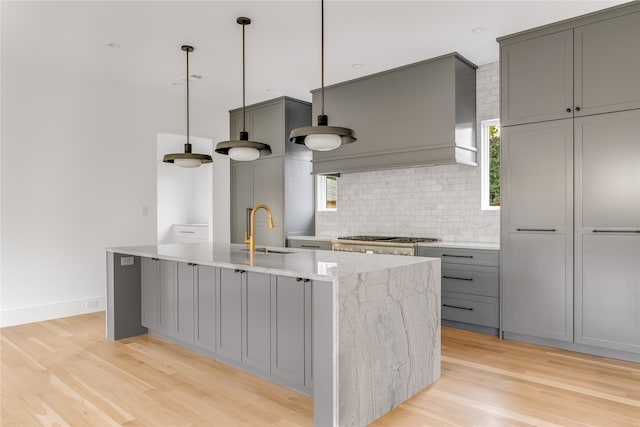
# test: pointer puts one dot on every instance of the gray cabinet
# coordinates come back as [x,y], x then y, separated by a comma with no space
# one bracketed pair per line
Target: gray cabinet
[282,181]
[309,244]
[288,331]
[229,313]
[256,307]
[205,304]
[607,267]
[537,235]
[574,69]
[185,313]
[158,293]
[416,115]
[470,287]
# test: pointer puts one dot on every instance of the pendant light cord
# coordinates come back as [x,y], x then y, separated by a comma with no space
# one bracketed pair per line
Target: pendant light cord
[244,114]
[188,142]
[322,50]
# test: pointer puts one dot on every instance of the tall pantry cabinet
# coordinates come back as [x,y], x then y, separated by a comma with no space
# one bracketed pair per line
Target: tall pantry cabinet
[570,110]
[282,181]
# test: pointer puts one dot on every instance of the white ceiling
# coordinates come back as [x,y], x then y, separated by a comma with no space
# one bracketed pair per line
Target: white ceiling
[283,41]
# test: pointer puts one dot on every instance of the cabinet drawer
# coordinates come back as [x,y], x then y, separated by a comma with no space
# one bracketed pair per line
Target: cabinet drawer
[477,310]
[187,233]
[309,244]
[462,256]
[471,279]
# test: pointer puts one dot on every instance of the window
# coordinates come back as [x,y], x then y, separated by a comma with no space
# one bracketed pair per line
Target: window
[327,192]
[490,164]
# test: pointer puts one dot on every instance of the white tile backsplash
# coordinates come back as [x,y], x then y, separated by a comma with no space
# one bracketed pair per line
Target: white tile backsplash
[436,201]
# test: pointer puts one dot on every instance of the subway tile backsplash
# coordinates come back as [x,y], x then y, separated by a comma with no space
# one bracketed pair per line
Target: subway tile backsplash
[436,201]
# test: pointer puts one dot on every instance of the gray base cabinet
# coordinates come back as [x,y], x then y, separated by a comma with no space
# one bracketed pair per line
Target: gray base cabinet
[205,305]
[158,292]
[185,316]
[256,315]
[229,313]
[470,287]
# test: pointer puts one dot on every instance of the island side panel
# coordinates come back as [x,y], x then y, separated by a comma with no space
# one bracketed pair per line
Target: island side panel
[389,339]
[123,296]
[324,353]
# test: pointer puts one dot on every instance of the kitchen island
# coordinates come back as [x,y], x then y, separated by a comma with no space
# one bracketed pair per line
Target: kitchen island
[360,332]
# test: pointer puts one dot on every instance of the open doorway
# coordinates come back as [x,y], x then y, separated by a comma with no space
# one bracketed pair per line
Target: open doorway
[185,195]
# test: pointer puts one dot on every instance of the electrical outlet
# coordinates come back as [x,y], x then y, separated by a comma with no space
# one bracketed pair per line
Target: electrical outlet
[91,304]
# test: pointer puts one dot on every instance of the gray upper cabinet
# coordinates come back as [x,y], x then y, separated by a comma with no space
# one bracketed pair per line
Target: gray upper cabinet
[607,79]
[417,115]
[572,69]
[608,230]
[282,181]
[537,79]
[537,234]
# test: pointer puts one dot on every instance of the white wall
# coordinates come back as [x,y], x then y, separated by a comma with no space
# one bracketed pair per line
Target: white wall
[436,201]
[78,165]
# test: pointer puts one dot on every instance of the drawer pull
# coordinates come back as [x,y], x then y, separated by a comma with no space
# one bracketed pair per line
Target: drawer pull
[187,232]
[191,264]
[310,246]
[536,229]
[239,271]
[155,259]
[468,279]
[616,231]
[300,279]
[458,256]
[458,307]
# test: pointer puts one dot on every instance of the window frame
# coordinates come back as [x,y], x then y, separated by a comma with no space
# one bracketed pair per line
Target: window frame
[484,164]
[321,193]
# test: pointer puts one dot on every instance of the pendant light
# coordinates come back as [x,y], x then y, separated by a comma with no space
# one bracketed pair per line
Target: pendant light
[187,159]
[242,149]
[322,137]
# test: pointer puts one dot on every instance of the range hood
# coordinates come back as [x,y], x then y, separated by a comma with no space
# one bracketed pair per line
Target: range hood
[421,114]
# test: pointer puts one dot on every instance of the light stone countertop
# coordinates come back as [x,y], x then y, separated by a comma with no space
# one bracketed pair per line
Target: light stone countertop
[309,264]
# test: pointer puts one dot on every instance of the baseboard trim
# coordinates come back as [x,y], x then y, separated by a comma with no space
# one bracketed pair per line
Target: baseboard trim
[38,313]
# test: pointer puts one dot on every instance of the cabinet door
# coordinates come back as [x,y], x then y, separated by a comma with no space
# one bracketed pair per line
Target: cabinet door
[241,198]
[537,234]
[168,298]
[205,335]
[537,79]
[256,349]
[608,230]
[288,329]
[185,316]
[268,184]
[267,126]
[150,278]
[607,65]
[229,314]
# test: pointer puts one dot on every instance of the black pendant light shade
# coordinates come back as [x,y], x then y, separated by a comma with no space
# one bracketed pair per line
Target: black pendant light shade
[322,137]
[242,149]
[187,159]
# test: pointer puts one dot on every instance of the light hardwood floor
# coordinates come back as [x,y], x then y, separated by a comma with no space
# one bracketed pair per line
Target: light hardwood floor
[65,372]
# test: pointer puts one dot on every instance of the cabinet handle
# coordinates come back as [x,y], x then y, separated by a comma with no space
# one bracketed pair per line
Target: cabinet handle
[239,271]
[155,259]
[536,229]
[187,232]
[191,264]
[458,256]
[568,110]
[300,279]
[577,108]
[468,279]
[310,246]
[616,231]
[458,307]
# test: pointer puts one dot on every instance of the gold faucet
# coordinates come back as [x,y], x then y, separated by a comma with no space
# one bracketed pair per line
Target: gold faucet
[251,239]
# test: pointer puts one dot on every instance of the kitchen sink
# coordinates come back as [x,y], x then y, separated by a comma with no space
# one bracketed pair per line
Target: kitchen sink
[264,251]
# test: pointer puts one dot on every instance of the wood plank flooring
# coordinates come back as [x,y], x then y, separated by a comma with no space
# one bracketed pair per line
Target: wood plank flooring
[64,372]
